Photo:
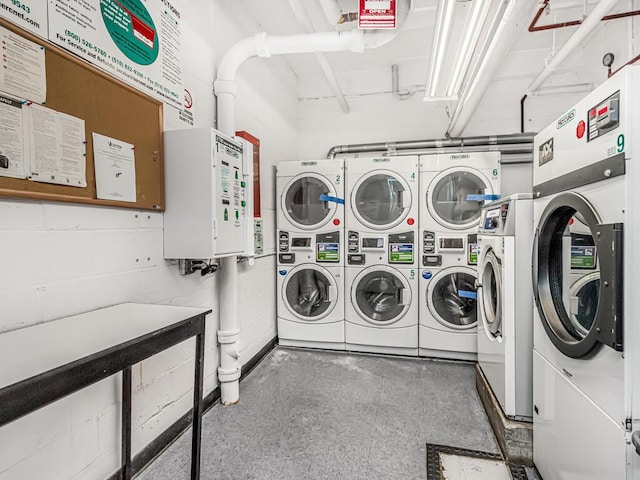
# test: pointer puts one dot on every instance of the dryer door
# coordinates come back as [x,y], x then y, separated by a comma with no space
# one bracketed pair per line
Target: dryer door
[451,298]
[381,199]
[490,295]
[310,292]
[381,295]
[304,201]
[447,197]
[578,323]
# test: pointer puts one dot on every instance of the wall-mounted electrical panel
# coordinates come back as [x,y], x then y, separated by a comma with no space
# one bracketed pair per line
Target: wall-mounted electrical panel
[247,168]
[205,190]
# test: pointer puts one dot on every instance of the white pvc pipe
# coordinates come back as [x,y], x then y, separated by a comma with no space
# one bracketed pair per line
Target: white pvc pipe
[229,332]
[515,17]
[586,27]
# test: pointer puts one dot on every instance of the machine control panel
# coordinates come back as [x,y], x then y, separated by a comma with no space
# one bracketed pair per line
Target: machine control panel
[328,247]
[401,247]
[352,241]
[428,242]
[472,249]
[451,243]
[356,259]
[604,117]
[432,260]
[283,241]
[287,258]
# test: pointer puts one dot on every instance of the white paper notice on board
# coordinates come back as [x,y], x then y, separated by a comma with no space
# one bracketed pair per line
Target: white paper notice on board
[56,147]
[11,138]
[23,70]
[115,166]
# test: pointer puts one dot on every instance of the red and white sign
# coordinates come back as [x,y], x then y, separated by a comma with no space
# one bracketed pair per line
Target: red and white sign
[377,14]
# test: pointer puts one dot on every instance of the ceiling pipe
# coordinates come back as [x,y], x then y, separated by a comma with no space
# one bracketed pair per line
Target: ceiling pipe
[504,37]
[302,16]
[400,95]
[393,147]
[225,88]
[588,25]
[537,28]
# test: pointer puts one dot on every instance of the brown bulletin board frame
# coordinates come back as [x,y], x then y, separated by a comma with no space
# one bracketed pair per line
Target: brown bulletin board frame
[109,107]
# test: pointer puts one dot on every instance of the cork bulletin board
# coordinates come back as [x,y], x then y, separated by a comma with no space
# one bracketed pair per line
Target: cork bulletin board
[108,107]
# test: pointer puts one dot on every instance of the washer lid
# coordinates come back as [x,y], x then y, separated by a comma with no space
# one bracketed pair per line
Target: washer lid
[381,295]
[310,292]
[450,298]
[490,295]
[381,199]
[304,201]
[447,197]
[574,331]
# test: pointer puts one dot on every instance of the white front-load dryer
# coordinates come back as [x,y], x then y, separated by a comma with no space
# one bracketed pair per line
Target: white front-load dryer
[505,303]
[453,189]
[585,358]
[447,308]
[311,306]
[310,195]
[383,193]
[381,311]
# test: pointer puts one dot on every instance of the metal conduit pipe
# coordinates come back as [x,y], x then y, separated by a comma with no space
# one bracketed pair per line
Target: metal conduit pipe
[515,138]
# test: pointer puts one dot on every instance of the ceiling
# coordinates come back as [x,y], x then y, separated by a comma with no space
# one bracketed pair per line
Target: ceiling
[411,48]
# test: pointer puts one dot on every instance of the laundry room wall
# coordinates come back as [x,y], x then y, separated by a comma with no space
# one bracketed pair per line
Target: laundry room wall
[61,259]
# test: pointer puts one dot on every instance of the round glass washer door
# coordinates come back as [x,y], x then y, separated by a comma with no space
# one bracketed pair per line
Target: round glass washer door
[381,295]
[577,324]
[447,197]
[446,302]
[381,199]
[490,295]
[302,202]
[310,292]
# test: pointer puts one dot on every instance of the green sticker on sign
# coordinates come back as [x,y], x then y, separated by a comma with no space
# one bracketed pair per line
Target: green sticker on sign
[132,29]
[328,252]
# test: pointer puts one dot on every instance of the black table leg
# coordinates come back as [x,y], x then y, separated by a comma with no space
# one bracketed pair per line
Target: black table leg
[126,424]
[197,405]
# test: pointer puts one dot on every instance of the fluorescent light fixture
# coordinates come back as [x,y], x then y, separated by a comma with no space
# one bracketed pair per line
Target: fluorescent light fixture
[459,29]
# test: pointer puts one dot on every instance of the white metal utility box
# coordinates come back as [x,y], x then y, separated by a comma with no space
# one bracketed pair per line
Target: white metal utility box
[205,198]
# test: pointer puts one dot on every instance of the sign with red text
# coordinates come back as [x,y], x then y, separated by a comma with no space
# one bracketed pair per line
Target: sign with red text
[377,14]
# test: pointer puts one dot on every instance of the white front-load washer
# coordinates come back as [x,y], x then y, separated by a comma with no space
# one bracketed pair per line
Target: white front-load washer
[447,307]
[381,311]
[505,302]
[586,359]
[311,306]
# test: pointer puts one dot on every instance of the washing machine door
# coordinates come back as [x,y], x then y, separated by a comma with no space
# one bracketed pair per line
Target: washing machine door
[381,199]
[578,324]
[305,201]
[451,298]
[310,292]
[490,294]
[447,197]
[381,295]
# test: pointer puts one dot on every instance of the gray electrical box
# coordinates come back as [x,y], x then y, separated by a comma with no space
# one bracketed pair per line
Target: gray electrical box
[258,236]
[205,198]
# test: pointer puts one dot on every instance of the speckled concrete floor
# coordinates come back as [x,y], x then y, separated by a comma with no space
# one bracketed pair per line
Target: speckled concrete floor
[307,414]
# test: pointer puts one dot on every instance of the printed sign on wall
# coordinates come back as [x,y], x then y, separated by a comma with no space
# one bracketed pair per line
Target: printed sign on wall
[28,14]
[137,41]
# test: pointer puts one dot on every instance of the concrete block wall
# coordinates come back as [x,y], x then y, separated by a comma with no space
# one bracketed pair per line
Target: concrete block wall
[61,259]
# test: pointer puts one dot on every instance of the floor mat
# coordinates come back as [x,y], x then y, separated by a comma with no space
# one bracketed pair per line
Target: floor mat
[518,472]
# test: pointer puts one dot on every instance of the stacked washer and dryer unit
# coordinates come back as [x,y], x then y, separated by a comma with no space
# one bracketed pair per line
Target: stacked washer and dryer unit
[454,187]
[310,264]
[586,369]
[381,269]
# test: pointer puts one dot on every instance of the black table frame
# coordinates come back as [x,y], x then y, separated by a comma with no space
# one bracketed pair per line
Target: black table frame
[29,395]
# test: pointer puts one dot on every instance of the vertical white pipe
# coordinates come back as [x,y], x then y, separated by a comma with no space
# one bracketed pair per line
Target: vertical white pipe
[589,24]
